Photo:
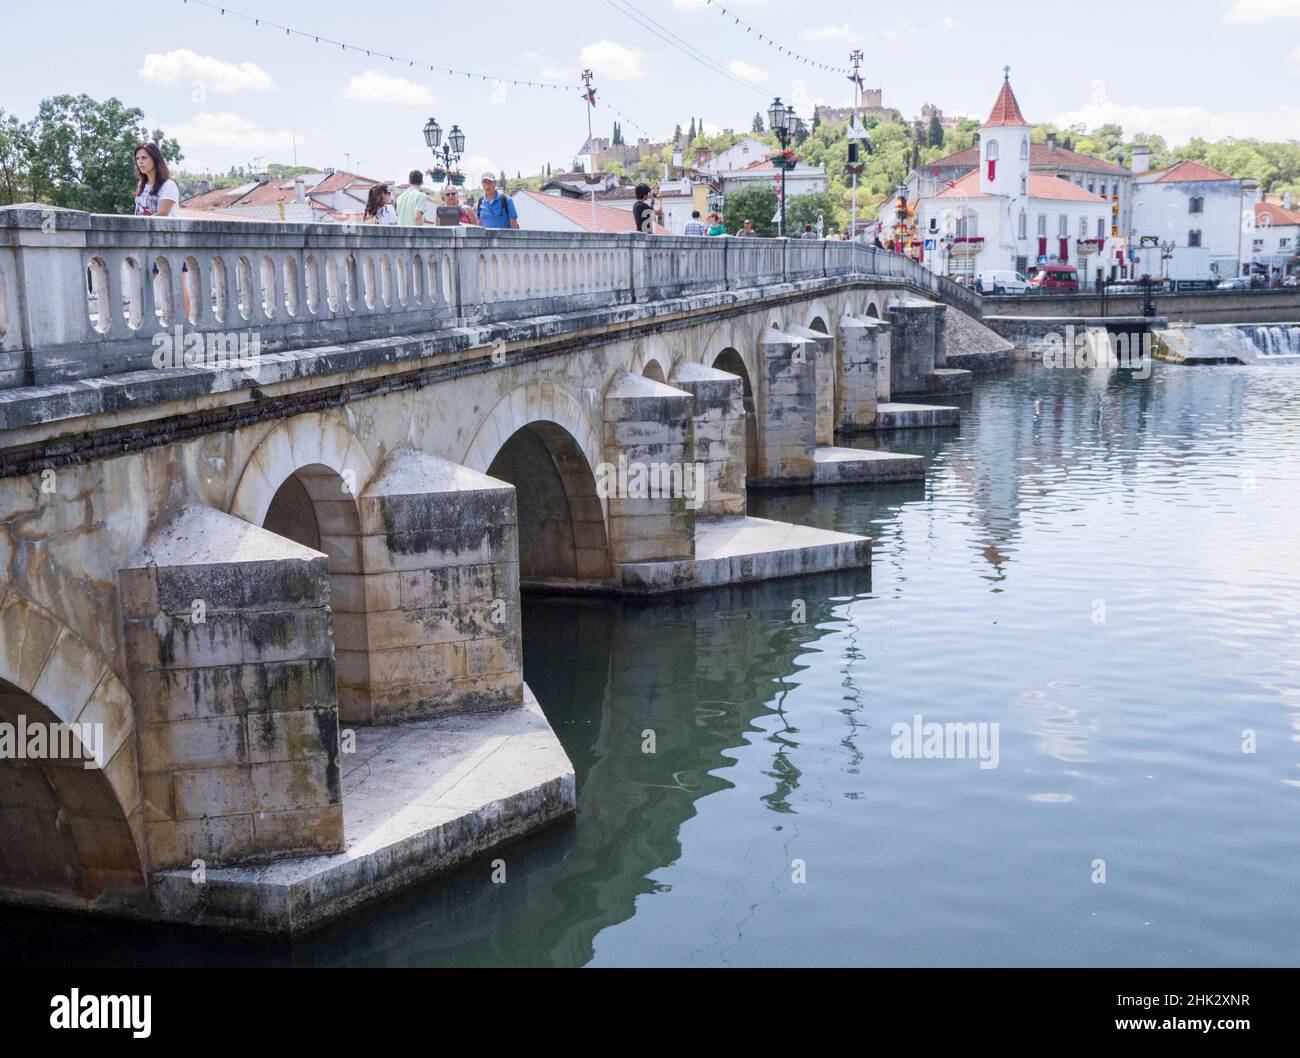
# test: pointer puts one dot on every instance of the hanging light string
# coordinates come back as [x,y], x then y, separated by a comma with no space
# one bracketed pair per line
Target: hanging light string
[685,47]
[789,52]
[376,54]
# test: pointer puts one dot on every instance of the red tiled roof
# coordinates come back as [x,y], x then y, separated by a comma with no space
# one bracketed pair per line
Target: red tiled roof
[1006,111]
[609,219]
[1040,157]
[1188,172]
[1056,189]
[1041,186]
[275,192]
[1277,216]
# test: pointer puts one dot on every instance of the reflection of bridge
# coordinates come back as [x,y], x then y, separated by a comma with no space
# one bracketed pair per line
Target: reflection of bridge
[260,481]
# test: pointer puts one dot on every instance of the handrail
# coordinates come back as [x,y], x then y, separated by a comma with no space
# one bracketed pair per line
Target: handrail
[87,295]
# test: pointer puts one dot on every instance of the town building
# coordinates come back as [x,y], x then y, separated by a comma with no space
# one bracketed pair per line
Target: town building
[325,197]
[544,212]
[1191,222]
[1275,242]
[1004,205]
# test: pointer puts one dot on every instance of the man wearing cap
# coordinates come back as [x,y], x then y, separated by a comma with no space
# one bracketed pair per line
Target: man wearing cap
[494,210]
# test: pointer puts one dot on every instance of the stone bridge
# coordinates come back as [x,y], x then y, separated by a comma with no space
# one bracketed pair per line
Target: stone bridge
[269,495]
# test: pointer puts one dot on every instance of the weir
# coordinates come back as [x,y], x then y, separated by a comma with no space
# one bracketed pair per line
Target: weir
[286,580]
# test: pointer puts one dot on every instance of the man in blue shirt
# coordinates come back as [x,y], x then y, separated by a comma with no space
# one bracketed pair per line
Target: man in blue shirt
[494,210]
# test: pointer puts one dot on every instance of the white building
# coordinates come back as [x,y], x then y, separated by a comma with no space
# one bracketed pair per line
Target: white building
[1275,242]
[1195,218]
[1004,215]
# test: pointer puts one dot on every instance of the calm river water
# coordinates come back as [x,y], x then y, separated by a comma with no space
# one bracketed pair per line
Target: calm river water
[1107,569]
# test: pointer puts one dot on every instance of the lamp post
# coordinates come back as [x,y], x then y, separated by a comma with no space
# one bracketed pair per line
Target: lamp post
[449,153]
[782,120]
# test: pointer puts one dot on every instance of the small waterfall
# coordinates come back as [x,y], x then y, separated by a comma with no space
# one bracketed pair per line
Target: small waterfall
[1273,341]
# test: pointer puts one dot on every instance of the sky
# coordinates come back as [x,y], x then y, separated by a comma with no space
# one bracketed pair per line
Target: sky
[237,93]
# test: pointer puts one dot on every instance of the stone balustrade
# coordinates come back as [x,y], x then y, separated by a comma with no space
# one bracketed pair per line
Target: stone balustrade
[86,296]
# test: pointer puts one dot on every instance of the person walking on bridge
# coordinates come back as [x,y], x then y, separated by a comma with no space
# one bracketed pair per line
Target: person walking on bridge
[495,210]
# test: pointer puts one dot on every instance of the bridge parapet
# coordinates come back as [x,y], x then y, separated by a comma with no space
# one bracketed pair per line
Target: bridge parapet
[87,295]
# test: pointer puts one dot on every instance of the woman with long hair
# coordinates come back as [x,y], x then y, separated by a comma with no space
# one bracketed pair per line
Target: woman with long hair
[379,206]
[156,194]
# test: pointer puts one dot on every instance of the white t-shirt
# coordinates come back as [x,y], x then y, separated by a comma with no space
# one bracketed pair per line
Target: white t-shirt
[147,202]
[387,214]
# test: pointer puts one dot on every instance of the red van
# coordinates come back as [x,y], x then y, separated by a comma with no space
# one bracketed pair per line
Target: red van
[1056,278]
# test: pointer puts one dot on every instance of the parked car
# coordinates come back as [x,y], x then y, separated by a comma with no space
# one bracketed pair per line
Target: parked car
[1291,281]
[1003,281]
[1056,279]
[1236,283]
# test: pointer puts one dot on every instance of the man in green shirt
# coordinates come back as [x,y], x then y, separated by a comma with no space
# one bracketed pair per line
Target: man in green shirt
[414,204]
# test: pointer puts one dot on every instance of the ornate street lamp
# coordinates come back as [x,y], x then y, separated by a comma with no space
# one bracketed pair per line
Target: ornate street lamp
[446,155]
[785,123]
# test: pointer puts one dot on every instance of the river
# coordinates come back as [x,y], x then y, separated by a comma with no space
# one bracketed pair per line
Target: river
[1105,571]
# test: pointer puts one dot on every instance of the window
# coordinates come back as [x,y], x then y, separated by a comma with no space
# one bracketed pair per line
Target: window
[1024,184]
[1024,150]
[993,150]
[1257,246]
[1092,189]
[1196,204]
[1284,244]
[967,228]
[1063,227]
[1083,227]
[1024,225]
[1042,225]
[1101,227]
[1194,237]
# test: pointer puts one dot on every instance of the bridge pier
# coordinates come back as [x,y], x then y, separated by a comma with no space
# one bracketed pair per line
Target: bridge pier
[231,654]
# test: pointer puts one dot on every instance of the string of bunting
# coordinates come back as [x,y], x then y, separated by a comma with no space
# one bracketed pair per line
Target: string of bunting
[771,43]
[376,54]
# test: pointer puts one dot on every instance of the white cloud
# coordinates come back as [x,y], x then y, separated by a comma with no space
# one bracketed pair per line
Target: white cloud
[558,73]
[1180,124]
[184,67]
[840,32]
[230,131]
[532,58]
[950,24]
[1254,12]
[748,71]
[475,167]
[375,87]
[613,61]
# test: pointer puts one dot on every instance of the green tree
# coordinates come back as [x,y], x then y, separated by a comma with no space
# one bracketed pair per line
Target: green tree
[752,203]
[758,127]
[690,136]
[83,153]
[936,131]
[803,209]
[15,151]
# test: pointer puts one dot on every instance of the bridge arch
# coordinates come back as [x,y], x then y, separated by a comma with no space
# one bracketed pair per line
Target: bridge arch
[730,361]
[67,832]
[655,362]
[302,483]
[540,439]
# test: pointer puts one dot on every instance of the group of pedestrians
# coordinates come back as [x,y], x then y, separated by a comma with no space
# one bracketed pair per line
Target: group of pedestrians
[417,206]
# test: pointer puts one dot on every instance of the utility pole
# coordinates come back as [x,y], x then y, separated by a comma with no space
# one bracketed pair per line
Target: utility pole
[590,95]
